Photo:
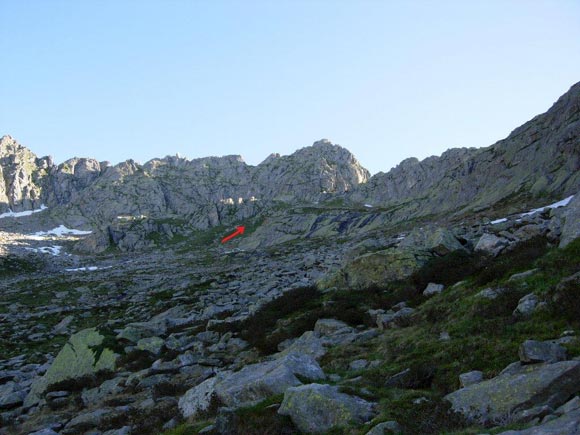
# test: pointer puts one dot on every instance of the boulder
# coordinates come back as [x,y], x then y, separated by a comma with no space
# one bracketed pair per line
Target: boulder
[433,289]
[440,241]
[524,388]
[490,293]
[491,244]
[258,381]
[198,399]
[98,394]
[330,327]
[10,397]
[376,269]
[86,421]
[82,357]
[251,384]
[319,408]
[527,305]
[571,228]
[532,351]
[567,424]
[390,319]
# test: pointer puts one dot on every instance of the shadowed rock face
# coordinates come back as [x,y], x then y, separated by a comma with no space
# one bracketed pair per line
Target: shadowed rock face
[538,157]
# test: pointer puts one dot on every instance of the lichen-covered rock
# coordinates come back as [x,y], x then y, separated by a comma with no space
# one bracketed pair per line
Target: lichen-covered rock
[528,386]
[376,269]
[319,408]
[151,344]
[84,355]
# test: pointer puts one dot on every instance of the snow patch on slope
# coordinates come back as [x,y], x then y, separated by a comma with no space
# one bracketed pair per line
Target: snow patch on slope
[22,213]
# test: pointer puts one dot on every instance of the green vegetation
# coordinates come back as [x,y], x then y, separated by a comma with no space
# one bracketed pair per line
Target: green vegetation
[483,334]
[12,265]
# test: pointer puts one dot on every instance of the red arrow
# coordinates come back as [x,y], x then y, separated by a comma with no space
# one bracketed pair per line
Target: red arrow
[239,230]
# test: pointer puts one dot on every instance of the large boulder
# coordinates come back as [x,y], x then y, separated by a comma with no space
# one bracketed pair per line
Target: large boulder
[252,384]
[319,408]
[82,357]
[258,381]
[491,244]
[440,241]
[376,269]
[518,390]
[571,228]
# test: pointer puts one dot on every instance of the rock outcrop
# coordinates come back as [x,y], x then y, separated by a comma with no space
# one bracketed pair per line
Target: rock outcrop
[539,157]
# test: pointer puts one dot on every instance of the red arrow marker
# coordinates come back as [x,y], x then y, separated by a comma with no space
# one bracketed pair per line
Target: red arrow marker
[239,230]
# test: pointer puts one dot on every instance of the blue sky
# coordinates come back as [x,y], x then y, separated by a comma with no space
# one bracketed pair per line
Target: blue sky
[388,80]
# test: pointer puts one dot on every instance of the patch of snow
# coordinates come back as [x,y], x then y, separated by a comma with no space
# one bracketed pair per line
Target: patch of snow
[368,206]
[60,231]
[87,269]
[562,203]
[22,213]
[52,250]
[498,221]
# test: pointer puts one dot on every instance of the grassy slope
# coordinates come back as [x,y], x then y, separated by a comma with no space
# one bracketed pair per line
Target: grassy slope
[484,335]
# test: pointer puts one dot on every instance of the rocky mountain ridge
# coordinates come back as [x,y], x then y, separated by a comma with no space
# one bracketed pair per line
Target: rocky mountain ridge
[441,297]
[537,161]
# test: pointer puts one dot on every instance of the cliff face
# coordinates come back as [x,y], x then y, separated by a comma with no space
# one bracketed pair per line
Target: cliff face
[202,187]
[539,160]
[541,157]
[21,173]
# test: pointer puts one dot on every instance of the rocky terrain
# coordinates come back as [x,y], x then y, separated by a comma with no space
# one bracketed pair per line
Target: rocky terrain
[440,297]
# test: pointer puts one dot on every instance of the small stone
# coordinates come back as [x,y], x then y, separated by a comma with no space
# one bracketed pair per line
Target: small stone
[527,305]
[358,364]
[433,289]
[444,336]
[522,275]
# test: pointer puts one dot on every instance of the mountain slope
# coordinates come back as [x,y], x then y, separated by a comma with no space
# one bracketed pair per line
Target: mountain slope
[539,158]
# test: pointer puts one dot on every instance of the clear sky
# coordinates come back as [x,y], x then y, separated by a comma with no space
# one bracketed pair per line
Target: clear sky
[139,79]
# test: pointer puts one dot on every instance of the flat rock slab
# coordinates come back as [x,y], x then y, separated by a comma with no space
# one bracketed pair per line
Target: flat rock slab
[79,358]
[539,384]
